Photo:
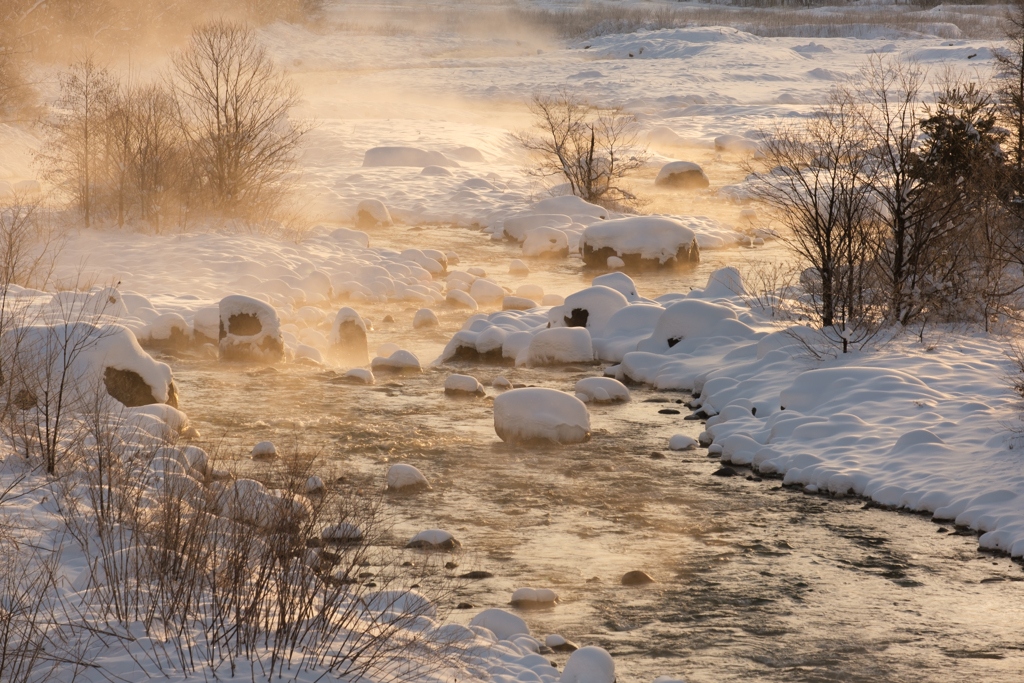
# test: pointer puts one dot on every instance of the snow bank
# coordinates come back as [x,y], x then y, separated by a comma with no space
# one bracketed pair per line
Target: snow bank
[250,330]
[641,242]
[536,414]
[405,156]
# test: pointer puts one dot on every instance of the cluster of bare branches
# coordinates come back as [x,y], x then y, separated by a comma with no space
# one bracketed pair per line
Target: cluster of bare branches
[592,148]
[903,213]
[214,136]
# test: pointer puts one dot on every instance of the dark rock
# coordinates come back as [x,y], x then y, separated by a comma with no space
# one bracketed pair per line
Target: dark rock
[657,456]
[464,605]
[451,565]
[942,530]
[692,418]
[578,318]
[567,646]
[388,319]
[350,343]
[668,411]
[477,574]
[636,578]
[594,579]
[686,256]
[129,388]
[656,400]
[724,472]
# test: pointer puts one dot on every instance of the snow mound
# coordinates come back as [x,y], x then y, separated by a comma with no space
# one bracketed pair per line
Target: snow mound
[816,389]
[359,375]
[558,346]
[517,303]
[683,175]
[682,442]
[406,478]
[250,330]
[405,156]
[620,282]
[464,385]
[537,414]
[549,242]
[502,624]
[640,241]
[263,450]
[736,144]
[570,205]
[601,390]
[590,308]
[485,291]
[516,228]
[686,319]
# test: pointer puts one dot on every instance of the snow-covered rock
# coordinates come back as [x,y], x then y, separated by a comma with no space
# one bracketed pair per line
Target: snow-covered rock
[641,242]
[558,346]
[348,338]
[687,319]
[620,282]
[737,144]
[683,175]
[516,228]
[406,478]
[590,308]
[460,299]
[538,414]
[569,205]
[589,665]
[546,241]
[399,361]
[434,539]
[264,450]
[517,303]
[485,291]
[424,318]
[517,267]
[463,385]
[250,330]
[371,213]
[533,597]
[405,156]
[682,442]
[359,376]
[530,291]
[502,624]
[343,532]
[601,390]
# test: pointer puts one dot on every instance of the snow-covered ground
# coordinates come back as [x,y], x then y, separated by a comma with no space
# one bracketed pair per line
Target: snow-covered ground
[924,427]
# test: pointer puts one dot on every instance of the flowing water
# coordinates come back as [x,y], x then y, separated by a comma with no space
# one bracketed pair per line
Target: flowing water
[754,581]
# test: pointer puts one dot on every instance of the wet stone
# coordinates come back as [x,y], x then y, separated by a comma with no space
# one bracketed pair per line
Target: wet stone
[668,411]
[657,456]
[477,574]
[636,578]
[464,605]
[724,472]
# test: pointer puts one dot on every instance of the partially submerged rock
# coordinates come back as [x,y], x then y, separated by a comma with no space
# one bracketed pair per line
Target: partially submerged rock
[406,478]
[434,539]
[682,175]
[540,415]
[250,330]
[348,338]
[463,385]
[642,242]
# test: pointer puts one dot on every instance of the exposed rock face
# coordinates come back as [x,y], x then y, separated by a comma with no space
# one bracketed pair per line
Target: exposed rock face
[129,388]
[249,331]
[682,175]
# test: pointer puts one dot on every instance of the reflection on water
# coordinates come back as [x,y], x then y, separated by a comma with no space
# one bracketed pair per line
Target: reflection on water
[755,582]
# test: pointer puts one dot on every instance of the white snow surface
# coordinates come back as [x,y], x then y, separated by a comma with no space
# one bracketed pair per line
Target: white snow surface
[538,414]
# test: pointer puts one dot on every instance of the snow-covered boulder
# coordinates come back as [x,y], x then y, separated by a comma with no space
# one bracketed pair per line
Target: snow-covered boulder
[206,325]
[463,385]
[682,442]
[399,361]
[264,450]
[406,478]
[517,267]
[424,318]
[569,205]
[682,175]
[405,156]
[558,346]
[502,624]
[686,319]
[77,359]
[641,242]
[533,597]
[620,282]
[737,144]
[515,228]
[434,539]
[348,338]
[460,299]
[601,390]
[547,242]
[485,291]
[537,414]
[625,330]
[371,212]
[589,665]
[530,291]
[167,331]
[517,303]
[590,308]
[250,330]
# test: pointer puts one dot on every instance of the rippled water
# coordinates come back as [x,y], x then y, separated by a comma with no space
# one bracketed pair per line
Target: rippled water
[754,582]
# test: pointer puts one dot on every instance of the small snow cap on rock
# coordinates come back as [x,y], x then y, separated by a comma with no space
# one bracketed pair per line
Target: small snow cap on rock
[560,644]
[683,175]
[602,390]
[435,539]
[371,213]
[538,414]
[424,318]
[314,484]
[460,299]
[264,450]
[589,665]
[463,385]
[682,442]
[406,478]
[503,624]
[399,361]
[533,597]
[640,241]
[501,383]
[636,578]
[615,263]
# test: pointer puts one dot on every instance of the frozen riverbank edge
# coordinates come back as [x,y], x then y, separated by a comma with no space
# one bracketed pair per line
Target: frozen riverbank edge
[926,427]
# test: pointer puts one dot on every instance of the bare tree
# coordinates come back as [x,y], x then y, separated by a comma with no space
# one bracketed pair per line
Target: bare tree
[234,107]
[593,148]
[1010,88]
[73,154]
[818,187]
